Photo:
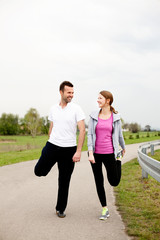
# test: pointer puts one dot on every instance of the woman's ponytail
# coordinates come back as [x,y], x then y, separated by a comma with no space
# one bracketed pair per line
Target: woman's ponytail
[113,110]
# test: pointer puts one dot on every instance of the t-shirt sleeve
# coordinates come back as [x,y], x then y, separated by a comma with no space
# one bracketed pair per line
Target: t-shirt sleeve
[79,114]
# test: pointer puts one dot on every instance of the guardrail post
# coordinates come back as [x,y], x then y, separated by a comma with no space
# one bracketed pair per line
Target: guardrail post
[144,173]
[144,150]
[152,149]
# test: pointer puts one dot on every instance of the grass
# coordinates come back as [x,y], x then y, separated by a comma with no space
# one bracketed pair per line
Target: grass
[19,156]
[131,138]
[138,201]
[28,141]
[156,155]
[14,149]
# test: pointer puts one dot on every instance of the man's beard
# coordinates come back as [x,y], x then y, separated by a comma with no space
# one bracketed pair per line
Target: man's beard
[67,100]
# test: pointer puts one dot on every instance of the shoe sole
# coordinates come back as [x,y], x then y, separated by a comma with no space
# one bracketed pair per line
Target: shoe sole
[62,216]
[104,218]
[59,215]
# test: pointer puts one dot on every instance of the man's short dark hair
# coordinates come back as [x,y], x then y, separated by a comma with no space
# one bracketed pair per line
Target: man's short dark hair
[63,84]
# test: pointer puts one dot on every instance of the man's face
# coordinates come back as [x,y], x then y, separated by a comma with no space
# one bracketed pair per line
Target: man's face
[67,94]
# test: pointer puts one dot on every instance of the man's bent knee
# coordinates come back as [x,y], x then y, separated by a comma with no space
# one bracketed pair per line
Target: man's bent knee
[36,172]
[39,173]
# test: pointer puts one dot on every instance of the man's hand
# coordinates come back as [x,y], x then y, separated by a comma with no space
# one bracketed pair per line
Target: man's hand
[76,156]
[81,127]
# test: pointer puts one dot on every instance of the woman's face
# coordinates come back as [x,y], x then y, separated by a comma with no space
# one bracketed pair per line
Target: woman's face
[102,101]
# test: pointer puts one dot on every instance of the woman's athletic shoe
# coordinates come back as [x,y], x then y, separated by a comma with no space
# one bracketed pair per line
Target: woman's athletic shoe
[105,214]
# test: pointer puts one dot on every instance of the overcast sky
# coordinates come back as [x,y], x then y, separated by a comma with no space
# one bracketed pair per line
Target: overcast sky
[96,44]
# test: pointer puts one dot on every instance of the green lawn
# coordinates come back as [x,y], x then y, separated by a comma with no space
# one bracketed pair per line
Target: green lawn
[131,138]
[15,149]
[138,201]
[156,155]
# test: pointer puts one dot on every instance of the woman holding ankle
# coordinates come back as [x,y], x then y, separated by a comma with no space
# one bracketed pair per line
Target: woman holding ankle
[104,138]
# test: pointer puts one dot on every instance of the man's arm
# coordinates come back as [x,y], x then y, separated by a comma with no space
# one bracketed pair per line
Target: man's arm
[81,127]
[50,128]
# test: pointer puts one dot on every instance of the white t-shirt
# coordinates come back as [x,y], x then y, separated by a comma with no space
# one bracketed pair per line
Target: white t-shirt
[65,124]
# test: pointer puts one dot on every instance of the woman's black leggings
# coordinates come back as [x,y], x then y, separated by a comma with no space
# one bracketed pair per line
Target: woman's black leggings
[113,169]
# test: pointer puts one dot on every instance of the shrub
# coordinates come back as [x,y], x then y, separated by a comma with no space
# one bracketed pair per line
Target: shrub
[130,136]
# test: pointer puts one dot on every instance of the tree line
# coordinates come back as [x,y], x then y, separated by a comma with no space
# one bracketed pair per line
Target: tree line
[33,124]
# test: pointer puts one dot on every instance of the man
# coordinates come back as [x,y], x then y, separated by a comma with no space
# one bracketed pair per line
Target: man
[61,147]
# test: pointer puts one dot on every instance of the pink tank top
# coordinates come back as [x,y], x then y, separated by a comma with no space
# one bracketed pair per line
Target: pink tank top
[103,144]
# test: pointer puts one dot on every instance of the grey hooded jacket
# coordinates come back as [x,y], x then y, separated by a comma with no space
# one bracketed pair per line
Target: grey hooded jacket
[117,137]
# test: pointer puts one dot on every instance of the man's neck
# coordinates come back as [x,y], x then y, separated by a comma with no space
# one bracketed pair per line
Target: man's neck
[63,104]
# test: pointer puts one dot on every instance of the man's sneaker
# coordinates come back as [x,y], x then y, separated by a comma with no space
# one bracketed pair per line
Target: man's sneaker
[105,214]
[60,214]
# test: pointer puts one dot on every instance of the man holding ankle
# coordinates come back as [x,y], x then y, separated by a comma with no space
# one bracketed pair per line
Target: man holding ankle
[61,148]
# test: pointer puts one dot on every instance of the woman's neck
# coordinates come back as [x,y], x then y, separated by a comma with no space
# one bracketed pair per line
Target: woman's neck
[105,113]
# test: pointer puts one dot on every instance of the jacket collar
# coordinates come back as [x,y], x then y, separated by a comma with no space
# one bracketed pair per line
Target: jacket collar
[94,115]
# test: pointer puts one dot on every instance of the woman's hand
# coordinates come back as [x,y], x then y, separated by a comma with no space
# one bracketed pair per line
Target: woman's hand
[123,152]
[91,157]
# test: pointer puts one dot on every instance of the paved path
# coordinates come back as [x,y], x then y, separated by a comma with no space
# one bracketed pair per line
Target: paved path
[27,205]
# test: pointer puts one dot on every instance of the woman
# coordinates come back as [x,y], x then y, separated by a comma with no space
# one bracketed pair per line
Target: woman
[104,138]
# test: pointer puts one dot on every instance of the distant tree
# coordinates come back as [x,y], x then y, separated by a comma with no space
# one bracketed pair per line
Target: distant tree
[147,128]
[125,125]
[23,126]
[44,125]
[9,124]
[33,121]
[134,127]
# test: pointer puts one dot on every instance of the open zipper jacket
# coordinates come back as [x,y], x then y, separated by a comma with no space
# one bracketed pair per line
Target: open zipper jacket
[117,136]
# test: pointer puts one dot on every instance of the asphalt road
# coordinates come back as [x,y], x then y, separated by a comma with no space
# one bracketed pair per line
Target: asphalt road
[27,205]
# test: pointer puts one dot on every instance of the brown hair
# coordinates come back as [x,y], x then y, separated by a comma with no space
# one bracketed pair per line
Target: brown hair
[63,84]
[108,95]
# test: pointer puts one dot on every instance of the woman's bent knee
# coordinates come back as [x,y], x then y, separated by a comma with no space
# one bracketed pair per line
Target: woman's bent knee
[114,183]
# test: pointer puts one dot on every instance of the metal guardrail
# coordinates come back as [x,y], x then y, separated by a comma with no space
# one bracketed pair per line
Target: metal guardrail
[149,165]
